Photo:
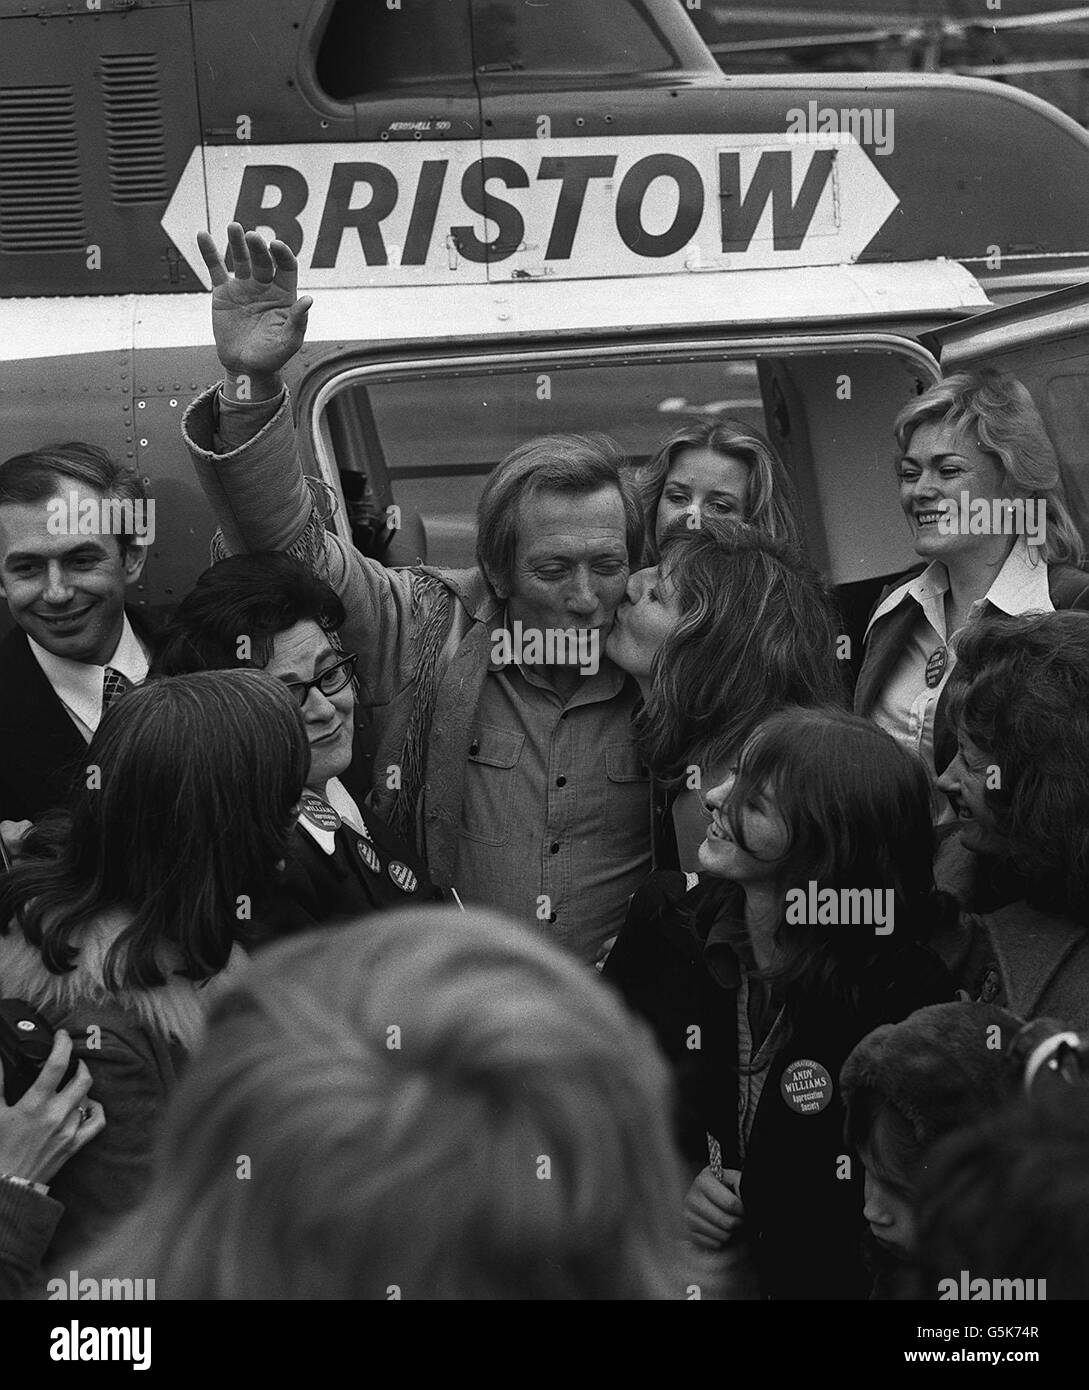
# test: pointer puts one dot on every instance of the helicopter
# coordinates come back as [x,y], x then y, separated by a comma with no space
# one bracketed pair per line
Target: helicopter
[519,219]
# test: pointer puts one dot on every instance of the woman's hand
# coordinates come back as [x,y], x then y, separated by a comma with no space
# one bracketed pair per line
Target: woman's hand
[712,1209]
[257,318]
[41,1132]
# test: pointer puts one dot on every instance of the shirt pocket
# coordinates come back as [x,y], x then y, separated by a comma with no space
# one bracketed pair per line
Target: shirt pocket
[627,792]
[488,801]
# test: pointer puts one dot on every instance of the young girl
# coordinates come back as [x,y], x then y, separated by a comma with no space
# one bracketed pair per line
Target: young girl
[120,918]
[905,1086]
[727,628]
[717,469]
[802,935]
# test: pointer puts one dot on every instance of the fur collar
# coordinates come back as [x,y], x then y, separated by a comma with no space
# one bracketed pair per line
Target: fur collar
[175,1010]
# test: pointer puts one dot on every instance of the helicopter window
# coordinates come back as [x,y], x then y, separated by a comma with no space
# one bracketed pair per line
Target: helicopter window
[429,444]
[369,48]
[426,436]
[566,36]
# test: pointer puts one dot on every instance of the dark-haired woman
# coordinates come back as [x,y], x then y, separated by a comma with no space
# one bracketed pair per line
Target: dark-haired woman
[728,627]
[341,861]
[122,916]
[803,933]
[1019,705]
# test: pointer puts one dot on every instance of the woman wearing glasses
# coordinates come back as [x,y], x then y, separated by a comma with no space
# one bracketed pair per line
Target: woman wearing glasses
[269,611]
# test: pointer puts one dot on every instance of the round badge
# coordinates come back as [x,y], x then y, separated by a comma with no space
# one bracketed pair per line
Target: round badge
[319,812]
[403,876]
[806,1086]
[935,667]
[991,986]
[368,856]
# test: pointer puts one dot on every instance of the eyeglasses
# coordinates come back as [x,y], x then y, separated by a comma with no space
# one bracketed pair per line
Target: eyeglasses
[329,682]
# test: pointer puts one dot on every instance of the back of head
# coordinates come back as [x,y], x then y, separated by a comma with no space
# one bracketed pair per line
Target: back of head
[757,633]
[427,1105]
[1008,1200]
[236,609]
[186,804]
[941,1068]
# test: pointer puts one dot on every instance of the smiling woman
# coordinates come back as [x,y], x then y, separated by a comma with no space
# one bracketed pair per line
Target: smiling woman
[754,1007]
[269,611]
[973,449]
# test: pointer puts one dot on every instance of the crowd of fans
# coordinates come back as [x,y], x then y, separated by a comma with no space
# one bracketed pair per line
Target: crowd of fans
[378,959]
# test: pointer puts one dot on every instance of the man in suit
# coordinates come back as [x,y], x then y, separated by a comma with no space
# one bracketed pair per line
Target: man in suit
[73,529]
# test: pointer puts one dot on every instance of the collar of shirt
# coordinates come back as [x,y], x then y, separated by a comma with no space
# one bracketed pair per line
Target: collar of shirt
[1020,586]
[78,684]
[342,802]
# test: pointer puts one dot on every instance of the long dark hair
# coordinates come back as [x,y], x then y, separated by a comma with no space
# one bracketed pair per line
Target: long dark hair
[251,597]
[757,633]
[185,805]
[858,809]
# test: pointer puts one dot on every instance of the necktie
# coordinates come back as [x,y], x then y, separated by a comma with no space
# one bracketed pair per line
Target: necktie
[113,685]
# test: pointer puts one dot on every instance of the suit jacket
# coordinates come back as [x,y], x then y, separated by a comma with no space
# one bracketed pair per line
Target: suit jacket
[1068,587]
[41,750]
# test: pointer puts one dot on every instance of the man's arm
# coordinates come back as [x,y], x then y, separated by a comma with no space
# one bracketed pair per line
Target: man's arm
[242,442]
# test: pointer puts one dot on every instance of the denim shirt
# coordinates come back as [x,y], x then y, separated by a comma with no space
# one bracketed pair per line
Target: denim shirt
[556,815]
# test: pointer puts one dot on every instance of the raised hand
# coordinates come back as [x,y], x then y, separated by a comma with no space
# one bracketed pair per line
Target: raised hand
[257,318]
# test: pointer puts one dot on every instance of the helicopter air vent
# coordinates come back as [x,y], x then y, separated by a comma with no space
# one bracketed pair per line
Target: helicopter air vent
[41,206]
[134,127]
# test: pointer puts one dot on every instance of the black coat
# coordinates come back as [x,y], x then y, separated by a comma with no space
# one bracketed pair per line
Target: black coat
[315,888]
[41,750]
[803,1203]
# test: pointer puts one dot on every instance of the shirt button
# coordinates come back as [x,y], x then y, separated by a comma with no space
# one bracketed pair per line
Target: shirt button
[561,781]
[555,847]
[474,748]
[551,916]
